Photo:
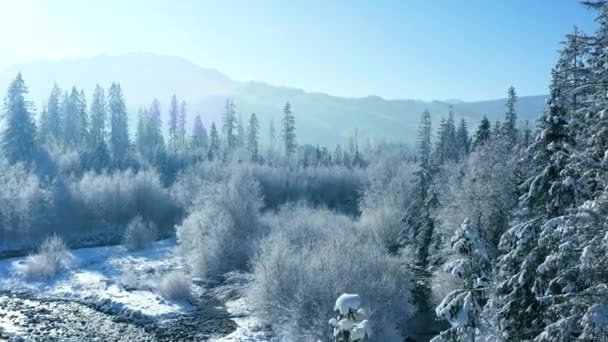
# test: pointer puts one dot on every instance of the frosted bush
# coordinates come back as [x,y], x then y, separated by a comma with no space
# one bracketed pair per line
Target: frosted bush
[311,256]
[175,286]
[51,257]
[220,235]
[25,203]
[116,198]
[140,234]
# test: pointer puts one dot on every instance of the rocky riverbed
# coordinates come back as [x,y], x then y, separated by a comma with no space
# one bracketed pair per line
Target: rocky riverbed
[25,318]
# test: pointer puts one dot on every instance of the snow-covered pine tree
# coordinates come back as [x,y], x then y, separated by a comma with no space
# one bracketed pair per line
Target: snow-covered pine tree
[549,193]
[98,117]
[350,324]
[462,308]
[200,139]
[173,123]
[19,134]
[253,136]
[229,126]
[214,143]
[119,130]
[483,133]
[288,131]
[509,128]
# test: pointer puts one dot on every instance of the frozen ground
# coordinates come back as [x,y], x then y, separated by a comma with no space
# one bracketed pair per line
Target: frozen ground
[116,279]
[119,282]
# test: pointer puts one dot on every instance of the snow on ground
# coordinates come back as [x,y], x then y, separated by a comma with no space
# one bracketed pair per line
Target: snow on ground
[250,328]
[113,277]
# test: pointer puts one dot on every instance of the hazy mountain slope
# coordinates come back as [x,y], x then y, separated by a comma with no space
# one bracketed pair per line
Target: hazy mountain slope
[320,118]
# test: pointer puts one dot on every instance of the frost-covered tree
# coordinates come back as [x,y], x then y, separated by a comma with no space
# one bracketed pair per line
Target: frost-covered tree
[462,139]
[19,134]
[229,126]
[288,130]
[119,130]
[462,308]
[240,129]
[483,133]
[214,143]
[173,123]
[181,125]
[509,129]
[50,123]
[350,324]
[98,117]
[200,140]
[549,193]
[253,136]
[74,127]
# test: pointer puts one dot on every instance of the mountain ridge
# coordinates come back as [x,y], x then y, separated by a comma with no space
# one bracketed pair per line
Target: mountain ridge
[321,118]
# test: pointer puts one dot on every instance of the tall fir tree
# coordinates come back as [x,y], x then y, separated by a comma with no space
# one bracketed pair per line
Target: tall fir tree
[509,129]
[229,126]
[483,133]
[173,123]
[19,135]
[50,123]
[214,143]
[181,125]
[253,132]
[288,130]
[462,139]
[98,117]
[200,140]
[119,129]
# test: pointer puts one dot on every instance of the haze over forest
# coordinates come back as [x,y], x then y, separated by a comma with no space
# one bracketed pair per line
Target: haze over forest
[322,118]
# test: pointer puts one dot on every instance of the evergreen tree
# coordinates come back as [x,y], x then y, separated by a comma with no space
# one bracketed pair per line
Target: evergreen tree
[214,143]
[451,151]
[252,136]
[155,139]
[462,307]
[141,134]
[71,125]
[19,135]
[173,123]
[272,135]
[509,129]
[288,130]
[98,117]
[549,194]
[83,117]
[199,135]
[527,134]
[181,125]
[50,123]
[483,132]
[119,130]
[229,126]
[240,129]
[462,139]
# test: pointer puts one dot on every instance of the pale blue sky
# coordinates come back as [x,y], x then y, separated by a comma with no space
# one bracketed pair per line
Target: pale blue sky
[423,49]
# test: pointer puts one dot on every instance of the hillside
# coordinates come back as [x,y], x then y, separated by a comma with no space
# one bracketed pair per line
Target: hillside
[321,118]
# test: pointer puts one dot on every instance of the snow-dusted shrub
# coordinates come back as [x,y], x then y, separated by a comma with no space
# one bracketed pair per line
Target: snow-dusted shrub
[51,257]
[350,325]
[116,198]
[175,286]
[386,197]
[219,236]
[334,187]
[139,234]
[313,255]
[26,205]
